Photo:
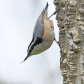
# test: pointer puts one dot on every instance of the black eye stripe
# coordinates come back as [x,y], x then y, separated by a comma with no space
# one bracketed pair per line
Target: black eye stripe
[37,42]
[31,42]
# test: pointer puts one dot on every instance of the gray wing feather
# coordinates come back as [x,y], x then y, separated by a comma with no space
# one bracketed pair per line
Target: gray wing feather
[39,27]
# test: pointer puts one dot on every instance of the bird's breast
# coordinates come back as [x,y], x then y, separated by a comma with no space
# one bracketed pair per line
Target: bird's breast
[48,30]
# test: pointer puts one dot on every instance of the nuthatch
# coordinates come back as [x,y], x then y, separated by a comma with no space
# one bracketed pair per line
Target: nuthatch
[43,35]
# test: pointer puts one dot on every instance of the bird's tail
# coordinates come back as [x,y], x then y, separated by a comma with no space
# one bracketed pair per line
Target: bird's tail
[45,12]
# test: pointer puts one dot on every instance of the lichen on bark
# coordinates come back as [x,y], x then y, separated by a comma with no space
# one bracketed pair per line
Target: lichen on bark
[70,19]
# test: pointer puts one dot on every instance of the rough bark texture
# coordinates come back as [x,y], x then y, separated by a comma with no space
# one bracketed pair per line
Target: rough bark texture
[71,38]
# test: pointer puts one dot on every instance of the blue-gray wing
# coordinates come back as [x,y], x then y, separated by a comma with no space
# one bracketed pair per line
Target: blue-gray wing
[39,27]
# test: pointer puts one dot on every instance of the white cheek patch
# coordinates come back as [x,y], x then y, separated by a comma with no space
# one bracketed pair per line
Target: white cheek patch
[31,45]
[40,48]
[37,49]
[34,45]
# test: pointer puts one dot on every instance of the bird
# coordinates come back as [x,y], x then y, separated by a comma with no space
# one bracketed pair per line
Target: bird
[43,34]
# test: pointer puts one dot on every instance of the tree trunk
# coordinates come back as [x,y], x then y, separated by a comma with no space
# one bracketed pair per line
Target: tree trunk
[71,40]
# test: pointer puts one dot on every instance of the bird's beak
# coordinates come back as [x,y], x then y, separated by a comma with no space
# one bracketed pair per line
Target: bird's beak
[25,58]
[21,62]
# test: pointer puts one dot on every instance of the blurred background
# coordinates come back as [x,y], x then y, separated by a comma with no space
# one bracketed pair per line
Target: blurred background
[17,21]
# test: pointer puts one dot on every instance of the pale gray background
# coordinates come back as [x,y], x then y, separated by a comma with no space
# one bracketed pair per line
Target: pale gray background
[17,21]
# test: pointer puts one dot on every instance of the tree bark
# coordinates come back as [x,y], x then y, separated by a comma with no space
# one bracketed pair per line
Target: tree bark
[70,19]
